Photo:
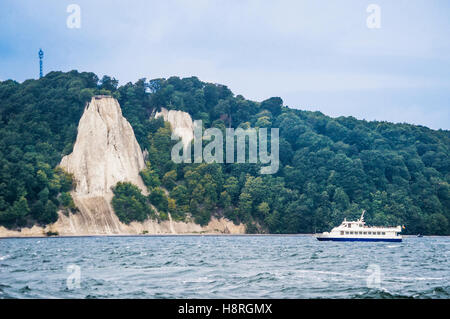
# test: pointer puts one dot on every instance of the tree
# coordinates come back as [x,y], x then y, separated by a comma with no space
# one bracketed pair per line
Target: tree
[108,83]
[263,209]
[180,194]
[49,215]
[274,105]
[169,179]
[129,204]
[159,199]
[245,206]
[150,177]
[330,168]
[67,202]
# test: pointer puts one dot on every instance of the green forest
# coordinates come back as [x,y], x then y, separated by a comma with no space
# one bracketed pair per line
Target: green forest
[330,168]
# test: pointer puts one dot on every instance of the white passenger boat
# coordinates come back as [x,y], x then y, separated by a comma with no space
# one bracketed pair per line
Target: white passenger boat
[358,231]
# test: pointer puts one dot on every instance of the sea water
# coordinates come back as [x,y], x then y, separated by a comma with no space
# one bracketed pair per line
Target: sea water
[296,266]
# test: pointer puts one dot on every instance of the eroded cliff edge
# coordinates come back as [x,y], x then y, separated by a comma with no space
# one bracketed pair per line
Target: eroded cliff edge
[106,152]
[181,124]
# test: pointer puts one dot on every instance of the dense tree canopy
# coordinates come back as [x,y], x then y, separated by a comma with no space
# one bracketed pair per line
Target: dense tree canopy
[330,168]
[129,204]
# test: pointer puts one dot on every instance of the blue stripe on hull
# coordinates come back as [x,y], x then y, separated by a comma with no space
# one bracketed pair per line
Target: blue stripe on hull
[359,239]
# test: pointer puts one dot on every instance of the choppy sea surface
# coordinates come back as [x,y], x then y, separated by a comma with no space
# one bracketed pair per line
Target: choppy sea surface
[223,267]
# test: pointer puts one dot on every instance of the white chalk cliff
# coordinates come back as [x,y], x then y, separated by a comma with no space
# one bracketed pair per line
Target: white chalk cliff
[181,124]
[106,152]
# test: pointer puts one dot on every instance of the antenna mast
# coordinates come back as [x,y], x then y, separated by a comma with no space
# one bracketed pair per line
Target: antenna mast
[41,58]
[362,216]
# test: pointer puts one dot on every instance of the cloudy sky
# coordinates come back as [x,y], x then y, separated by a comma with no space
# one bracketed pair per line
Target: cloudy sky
[316,55]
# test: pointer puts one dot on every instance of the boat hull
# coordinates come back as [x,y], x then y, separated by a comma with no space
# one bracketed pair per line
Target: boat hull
[358,239]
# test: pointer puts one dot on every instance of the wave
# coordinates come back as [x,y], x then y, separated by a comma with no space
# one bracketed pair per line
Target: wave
[436,292]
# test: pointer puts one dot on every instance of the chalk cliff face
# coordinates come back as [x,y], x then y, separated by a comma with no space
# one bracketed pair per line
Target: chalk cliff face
[106,152]
[181,124]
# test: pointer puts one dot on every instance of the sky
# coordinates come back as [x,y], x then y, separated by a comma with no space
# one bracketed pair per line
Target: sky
[316,55]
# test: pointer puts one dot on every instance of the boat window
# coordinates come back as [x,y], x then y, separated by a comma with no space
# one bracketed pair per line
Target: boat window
[378,233]
[360,232]
[365,233]
[342,233]
[383,233]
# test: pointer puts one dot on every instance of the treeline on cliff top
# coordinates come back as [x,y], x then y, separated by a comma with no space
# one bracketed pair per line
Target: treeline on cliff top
[330,168]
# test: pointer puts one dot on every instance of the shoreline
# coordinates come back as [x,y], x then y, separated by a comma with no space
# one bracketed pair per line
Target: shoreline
[187,235]
[161,235]
[71,226]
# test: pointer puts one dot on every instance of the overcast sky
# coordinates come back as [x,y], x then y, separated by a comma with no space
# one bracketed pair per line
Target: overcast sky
[316,55]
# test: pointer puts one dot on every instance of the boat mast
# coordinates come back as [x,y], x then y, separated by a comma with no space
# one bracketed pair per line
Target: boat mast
[362,216]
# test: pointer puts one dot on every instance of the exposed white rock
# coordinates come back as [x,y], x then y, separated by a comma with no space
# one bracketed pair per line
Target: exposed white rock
[74,225]
[106,150]
[181,124]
